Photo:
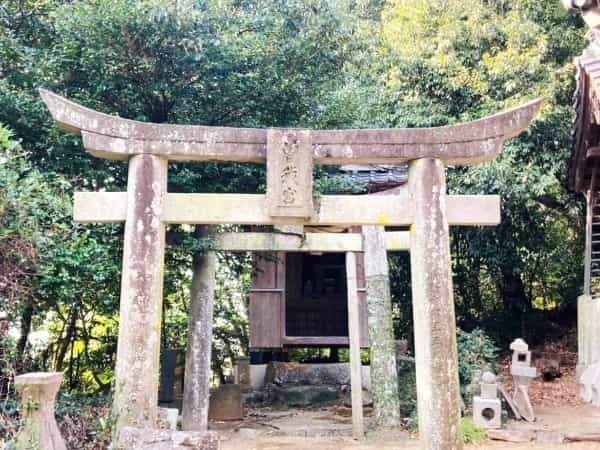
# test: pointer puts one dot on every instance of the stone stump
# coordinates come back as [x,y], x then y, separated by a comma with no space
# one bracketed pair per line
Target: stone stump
[226,403]
[38,396]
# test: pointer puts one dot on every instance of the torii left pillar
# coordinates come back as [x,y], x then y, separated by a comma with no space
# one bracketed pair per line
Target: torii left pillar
[138,350]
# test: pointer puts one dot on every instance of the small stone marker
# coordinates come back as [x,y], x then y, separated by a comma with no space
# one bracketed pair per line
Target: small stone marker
[242,371]
[38,396]
[522,374]
[167,418]
[226,403]
[487,409]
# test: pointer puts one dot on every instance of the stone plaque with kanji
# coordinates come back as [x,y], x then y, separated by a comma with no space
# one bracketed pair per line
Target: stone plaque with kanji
[289,173]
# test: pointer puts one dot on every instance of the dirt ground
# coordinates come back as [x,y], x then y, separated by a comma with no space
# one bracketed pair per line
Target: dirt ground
[556,404]
[322,429]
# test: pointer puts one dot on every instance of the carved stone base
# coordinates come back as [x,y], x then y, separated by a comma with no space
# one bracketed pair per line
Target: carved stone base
[38,395]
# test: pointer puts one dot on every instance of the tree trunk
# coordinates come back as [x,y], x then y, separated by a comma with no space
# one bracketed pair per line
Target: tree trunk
[66,341]
[198,354]
[26,318]
[384,372]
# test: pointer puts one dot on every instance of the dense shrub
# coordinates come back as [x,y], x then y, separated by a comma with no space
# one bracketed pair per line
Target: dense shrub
[476,351]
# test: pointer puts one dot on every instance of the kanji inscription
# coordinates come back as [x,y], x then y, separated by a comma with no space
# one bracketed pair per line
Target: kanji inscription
[289,173]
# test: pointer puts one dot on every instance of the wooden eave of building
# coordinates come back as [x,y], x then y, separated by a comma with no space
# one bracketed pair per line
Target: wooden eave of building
[586,148]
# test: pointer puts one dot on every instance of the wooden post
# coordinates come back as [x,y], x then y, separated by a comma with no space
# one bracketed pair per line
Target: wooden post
[384,372]
[196,391]
[590,199]
[433,309]
[137,371]
[358,430]
[587,260]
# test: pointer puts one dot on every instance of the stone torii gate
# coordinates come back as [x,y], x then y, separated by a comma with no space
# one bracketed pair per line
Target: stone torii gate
[290,154]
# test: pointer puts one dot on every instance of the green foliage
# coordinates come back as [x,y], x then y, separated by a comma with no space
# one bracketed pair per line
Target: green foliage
[476,351]
[270,63]
[471,433]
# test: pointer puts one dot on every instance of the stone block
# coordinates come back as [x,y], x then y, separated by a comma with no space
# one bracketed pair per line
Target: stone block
[242,371]
[307,395]
[38,396]
[226,403]
[258,374]
[330,374]
[489,390]
[487,412]
[521,354]
[167,418]
[523,371]
[154,439]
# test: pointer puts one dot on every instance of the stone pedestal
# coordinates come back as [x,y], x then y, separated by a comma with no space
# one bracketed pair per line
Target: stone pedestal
[487,412]
[487,409]
[588,332]
[38,396]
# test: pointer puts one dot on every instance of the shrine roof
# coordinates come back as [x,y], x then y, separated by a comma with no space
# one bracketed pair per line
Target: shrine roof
[113,137]
[586,133]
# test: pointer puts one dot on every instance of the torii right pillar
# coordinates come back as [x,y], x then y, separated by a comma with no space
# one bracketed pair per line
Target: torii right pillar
[438,396]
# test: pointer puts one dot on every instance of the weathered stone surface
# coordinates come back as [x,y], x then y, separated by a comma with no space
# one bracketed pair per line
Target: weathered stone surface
[433,309]
[226,403]
[286,373]
[521,354]
[384,374]
[38,396]
[112,137]
[511,435]
[199,343]
[367,399]
[289,173]
[487,412]
[308,242]
[167,418]
[137,371]
[343,210]
[242,371]
[153,439]
[258,375]
[303,395]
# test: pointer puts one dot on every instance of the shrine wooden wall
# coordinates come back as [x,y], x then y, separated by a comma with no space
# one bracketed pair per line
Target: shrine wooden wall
[268,305]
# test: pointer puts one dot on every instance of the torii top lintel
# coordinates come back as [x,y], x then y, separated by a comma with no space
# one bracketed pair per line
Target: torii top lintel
[112,137]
